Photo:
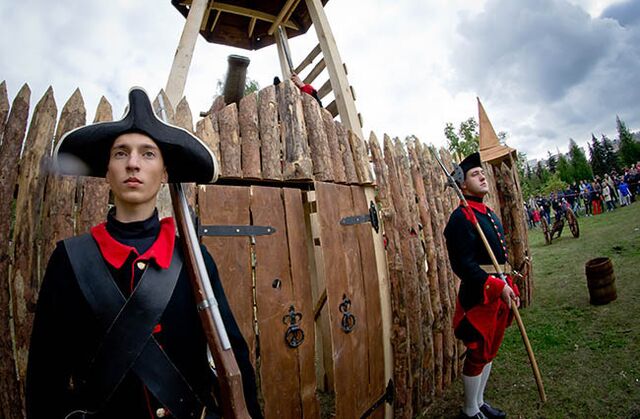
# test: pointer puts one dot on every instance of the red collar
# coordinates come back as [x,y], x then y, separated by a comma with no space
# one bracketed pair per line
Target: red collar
[116,253]
[478,206]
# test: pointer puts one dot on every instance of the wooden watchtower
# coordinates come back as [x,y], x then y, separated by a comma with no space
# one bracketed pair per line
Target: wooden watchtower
[323,262]
[253,25]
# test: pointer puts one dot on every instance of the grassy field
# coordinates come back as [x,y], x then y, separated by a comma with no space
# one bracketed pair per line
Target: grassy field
[589,356]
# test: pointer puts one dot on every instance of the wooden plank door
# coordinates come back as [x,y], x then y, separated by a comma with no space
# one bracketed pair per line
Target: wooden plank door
[351,273]
[280,280]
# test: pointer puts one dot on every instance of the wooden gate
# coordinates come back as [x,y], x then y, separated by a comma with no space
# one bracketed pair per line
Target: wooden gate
[267,276]
[350,273]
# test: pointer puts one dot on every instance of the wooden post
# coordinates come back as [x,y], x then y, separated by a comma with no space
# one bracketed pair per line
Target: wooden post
[337,75]
[270,145]
[230,153]
[4,107]
[282,43]
[250,149]
[318,143]
[182,59]
[24,279]
[11,397]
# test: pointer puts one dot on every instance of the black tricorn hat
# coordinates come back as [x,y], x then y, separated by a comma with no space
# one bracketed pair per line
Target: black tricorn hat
[85,150]
[460,171]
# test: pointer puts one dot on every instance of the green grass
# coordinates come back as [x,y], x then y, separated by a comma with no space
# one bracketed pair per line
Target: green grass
[589,356]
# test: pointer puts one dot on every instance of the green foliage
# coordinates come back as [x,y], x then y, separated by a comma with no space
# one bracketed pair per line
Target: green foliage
[552,162]
[250,86]
[465,141]
[554,184]
[597,160]
[581,168]
[611,160]
[629,148]
[565,170]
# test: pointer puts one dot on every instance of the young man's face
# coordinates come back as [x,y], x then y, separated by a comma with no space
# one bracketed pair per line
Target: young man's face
[136,170]
[475,184]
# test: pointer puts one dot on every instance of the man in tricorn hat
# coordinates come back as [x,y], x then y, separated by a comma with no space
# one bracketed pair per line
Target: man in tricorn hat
[124,286]
[483,307]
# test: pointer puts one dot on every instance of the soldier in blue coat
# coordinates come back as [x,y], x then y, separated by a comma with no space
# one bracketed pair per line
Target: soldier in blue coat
[117,333]
[483,306]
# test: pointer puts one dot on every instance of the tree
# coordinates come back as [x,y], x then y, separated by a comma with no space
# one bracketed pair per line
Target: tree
[554,184]
[564,169]
[250,86]
[552,162]
[465,141]
[629,148]
[579,163]
[610,156]
[598,164]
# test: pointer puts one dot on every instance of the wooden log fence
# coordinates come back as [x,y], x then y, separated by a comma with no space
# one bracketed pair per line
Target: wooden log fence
[274,135]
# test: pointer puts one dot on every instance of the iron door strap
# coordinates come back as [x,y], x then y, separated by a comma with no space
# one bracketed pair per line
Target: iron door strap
[387,397]
[348,319]
[233,230]
[294,336]
[372,218]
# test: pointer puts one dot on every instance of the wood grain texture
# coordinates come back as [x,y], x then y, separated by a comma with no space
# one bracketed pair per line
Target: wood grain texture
[249,134]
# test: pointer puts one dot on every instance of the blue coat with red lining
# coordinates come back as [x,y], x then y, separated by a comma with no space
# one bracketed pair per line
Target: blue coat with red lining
[479,296]
[66,334]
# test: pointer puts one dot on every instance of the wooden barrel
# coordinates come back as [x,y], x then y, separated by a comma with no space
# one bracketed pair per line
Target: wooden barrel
[600,281]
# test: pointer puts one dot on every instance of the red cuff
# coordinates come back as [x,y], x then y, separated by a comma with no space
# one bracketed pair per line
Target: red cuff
[492,289]
[513,285]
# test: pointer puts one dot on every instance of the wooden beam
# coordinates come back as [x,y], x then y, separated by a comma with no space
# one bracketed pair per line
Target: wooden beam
[280,18]
[308,59]
[344,100]
[205,19]
[293,8]
[315,72]
[215,20]
[333,108]
[182,58]
[252,26]
[244,11]
[325,89]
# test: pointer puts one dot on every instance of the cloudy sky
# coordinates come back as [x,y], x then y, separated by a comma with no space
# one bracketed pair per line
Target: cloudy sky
[545,70]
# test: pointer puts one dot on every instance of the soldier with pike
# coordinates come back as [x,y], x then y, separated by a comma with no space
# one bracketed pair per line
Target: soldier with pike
[484,298]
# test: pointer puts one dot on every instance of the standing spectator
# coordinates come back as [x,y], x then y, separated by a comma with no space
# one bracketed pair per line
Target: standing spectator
[596,200]
[536,216]
[625,194]
[608,197]
[586,198]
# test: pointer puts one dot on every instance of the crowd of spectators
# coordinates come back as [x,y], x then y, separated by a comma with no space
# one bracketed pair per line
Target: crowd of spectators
[587,197]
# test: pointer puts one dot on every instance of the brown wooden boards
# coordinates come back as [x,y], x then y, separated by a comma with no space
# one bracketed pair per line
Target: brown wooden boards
[346,263]
[298,239]
[229,205]
[282,281]
[274,297]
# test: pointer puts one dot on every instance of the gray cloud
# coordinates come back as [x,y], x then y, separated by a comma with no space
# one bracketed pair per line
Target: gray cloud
[626,13]
[550,70]
[530,49]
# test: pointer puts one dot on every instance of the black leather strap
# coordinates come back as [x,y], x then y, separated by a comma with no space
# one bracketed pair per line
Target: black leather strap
[128,343]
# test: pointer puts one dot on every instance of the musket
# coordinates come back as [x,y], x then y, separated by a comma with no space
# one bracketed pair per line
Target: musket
[229,378]
[525,339]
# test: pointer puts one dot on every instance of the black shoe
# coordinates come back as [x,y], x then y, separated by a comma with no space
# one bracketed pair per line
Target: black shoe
[492,412]
[478,415]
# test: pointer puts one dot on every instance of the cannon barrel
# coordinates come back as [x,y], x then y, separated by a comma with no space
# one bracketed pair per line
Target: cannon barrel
[236,75]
